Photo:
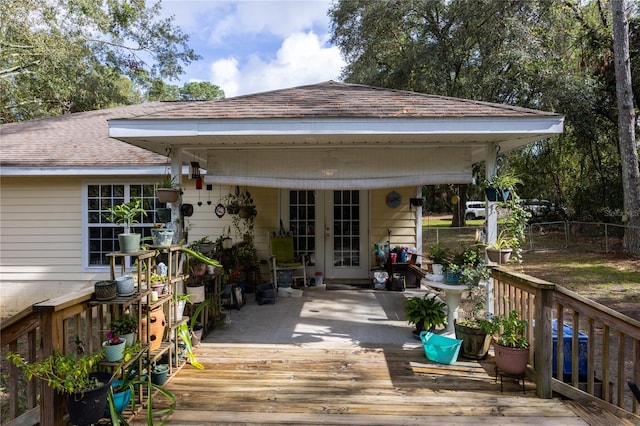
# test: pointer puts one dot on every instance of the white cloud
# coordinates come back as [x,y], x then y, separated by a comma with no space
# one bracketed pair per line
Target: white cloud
[302,59]
[279,18]
[225,74]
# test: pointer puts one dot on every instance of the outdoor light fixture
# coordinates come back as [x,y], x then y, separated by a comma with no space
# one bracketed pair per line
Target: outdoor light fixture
[416,202]
[328,165]
[329,171]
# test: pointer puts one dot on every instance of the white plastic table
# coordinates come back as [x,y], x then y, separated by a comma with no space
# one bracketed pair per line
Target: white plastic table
[453,293]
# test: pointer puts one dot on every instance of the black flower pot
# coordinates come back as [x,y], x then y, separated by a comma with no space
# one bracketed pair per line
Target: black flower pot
[86,408]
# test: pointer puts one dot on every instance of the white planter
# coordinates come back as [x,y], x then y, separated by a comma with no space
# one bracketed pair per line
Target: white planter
[437,269]
[178,310]
[197,293]
[126,286]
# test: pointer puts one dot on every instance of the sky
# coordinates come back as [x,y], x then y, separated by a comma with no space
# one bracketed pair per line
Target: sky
[251,46]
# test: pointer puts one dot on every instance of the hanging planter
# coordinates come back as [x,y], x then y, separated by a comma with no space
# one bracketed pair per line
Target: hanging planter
[167,195]
[497,194]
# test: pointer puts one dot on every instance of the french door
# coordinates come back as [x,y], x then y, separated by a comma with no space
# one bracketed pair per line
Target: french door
[331,227]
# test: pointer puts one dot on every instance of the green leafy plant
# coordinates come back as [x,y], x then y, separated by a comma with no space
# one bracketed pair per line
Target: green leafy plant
[127,323]
[243,211]
[168,182]
[438,253]
[131,379]
[126,214]
[63,373]
[503,180]
[426,310]
[510,329]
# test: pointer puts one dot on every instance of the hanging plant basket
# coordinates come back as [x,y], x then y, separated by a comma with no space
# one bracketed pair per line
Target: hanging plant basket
[167,195]
[497,194]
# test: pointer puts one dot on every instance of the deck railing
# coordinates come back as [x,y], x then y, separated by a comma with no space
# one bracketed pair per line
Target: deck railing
[596,349]
[64,324]
[610,356]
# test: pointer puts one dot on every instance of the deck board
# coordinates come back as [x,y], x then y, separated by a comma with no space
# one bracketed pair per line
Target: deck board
[260,384]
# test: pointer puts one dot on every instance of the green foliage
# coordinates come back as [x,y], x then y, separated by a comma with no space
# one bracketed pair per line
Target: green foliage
[127,323]
[168,182]
[192,91]
[511,330]
[126,214]
[427,309]
[438,253]
[548,55]
[63,373]
[58,57]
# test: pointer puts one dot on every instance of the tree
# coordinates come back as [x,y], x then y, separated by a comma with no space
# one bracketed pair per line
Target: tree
[549,55]
[192,91]
[626,126]
[64,56]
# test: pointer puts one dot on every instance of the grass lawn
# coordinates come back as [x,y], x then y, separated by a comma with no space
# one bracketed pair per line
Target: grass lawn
[610,279]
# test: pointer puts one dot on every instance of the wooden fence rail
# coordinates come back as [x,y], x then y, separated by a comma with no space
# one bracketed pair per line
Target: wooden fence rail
[596,349]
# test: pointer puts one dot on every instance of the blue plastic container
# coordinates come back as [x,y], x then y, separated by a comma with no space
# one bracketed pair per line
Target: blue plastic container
[440,349]
[583,344]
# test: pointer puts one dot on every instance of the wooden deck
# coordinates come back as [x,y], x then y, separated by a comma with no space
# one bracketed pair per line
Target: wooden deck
[348,385]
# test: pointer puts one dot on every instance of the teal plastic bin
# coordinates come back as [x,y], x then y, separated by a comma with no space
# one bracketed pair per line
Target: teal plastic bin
[440,349]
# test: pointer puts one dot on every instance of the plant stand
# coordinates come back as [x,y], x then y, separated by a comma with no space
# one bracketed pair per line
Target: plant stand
[502,374]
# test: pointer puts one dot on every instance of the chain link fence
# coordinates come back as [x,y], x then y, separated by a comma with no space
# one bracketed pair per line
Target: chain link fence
[589,236]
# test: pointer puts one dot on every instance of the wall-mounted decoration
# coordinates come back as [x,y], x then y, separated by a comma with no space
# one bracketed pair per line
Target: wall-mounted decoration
[393,199]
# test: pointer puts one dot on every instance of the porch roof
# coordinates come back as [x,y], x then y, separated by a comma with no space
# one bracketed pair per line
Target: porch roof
[312,136]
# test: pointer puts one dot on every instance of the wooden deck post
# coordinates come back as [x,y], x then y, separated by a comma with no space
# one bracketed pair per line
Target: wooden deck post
[52,404]
[543,341]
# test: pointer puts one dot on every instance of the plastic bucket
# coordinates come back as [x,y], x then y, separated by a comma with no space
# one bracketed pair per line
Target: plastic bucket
[318,277]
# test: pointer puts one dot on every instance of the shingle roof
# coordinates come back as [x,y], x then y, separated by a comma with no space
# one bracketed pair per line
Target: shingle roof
[76,140]
[81,139]
[333,99]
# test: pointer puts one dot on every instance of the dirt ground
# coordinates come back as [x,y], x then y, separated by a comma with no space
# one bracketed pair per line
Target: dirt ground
[610,279]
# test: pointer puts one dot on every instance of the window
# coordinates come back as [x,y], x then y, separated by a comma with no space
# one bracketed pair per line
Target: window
[302,220]
[102,235]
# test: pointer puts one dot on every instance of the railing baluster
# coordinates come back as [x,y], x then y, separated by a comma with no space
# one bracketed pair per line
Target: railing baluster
[606,395]
[620,376]
[575,349]
[591,358]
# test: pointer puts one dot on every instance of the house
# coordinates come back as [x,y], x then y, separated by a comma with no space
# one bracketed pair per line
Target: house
[337,163]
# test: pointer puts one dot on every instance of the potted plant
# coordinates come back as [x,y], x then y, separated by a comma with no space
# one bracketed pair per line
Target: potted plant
[126,326]
[161,235]
[425,312]
[167,190]
[122,390]
[180,301]
[243,210]
[511,345]
[500,186]
[500,251]
[438,255]
[74,376]
[127,214]
[513,233]
[113,347]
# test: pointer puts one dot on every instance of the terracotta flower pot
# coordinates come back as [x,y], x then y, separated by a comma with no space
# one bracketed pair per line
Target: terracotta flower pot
[511,360]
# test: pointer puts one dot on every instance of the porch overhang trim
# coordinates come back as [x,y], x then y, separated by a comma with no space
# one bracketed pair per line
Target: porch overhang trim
[144,128]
